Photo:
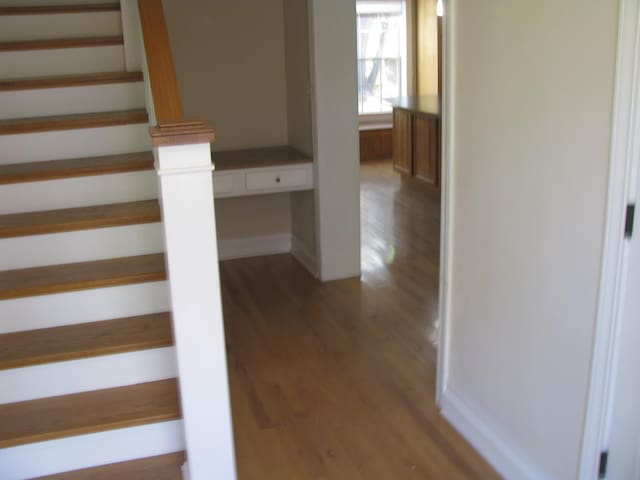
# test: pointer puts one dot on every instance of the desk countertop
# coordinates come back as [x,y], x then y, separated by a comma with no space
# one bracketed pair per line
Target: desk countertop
[258,158]
[429,104]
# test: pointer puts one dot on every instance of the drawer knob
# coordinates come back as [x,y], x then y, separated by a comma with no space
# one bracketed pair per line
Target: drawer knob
[277,179]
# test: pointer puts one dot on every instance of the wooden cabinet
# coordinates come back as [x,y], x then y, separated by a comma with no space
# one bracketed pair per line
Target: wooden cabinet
[426,151]
[416,144]
[402,140]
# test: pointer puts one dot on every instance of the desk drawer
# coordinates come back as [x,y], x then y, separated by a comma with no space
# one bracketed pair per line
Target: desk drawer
[275,179]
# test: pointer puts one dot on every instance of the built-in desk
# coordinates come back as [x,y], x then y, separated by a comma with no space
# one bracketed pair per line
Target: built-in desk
[261,170]
[416,137]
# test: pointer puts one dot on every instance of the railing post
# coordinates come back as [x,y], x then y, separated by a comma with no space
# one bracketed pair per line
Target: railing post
[183,163]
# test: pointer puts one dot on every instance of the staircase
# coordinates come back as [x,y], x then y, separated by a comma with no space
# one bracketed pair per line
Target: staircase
[87,366]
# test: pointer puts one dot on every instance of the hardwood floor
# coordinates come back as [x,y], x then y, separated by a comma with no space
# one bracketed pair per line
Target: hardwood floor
[336,380]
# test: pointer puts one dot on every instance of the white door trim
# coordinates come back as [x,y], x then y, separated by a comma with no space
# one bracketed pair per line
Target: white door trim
[625,143]
[446,209]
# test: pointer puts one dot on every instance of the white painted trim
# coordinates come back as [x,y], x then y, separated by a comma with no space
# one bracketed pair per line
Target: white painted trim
[191,248]
[304,256]
[85,451]
[87,374]
[336,151]
[132,35]
[625,139]
[186,475]
[342,276]
[235,183]
[500,452]
[246,247]
[447,196]
[371,121]
[376,126]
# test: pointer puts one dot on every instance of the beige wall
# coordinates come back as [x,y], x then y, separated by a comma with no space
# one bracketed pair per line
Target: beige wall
[533,102]
[229,58]
[298,73]
[253,216]
[230,63]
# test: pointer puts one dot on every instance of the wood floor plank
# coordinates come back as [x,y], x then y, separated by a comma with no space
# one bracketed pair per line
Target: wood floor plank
[58,44]
[72,122]
[78,167]
[82,413]
[34,347]
[81,276]
[163,467]
[99,216]
[63,81]
[337,379]
[60,9]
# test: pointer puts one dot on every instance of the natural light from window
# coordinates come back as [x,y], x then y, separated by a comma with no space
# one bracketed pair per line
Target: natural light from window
[382,54]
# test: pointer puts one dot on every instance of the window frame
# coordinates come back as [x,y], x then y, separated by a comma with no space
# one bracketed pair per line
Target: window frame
[371,121]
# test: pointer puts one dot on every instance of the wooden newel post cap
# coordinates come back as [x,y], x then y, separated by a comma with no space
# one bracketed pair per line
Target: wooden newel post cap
[182,132]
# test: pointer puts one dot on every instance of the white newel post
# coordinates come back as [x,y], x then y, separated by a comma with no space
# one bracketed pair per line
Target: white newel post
[186,197]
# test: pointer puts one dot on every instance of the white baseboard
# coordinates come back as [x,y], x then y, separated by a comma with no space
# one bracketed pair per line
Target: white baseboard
[307,258]
[254,246]
[340,276]
[499,452]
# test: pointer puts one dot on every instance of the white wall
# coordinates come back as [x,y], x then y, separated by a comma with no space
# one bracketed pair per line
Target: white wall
[336,148]
[533,84]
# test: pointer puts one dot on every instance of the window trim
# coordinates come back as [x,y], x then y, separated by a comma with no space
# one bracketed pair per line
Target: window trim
[371,121]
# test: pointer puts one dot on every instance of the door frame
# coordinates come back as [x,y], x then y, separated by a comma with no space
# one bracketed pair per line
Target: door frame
[446,202]
[624,153]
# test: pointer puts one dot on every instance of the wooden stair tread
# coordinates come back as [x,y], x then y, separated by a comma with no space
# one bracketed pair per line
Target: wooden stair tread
[62,81]
[90,412]
[71,122]
[34,347]
[100,216]
[60,9]
[81,276]
[57,44]
[163,467]
[77,167]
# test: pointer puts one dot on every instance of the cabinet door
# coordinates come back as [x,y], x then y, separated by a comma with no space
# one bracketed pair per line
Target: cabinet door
[402,144]
[426,152]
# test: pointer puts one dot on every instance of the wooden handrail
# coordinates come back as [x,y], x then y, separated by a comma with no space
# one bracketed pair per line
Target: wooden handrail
[171,128]
[162,74]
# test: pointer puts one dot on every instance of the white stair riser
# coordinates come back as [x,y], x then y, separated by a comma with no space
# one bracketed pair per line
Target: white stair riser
[71,100]
[87,374]
[72,308]
[21,3]
[84,451]
[78,192]
[17,28]
[80,246]
[67,61]
[82,142]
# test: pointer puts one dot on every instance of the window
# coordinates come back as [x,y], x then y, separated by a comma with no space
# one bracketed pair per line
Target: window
[382,54]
